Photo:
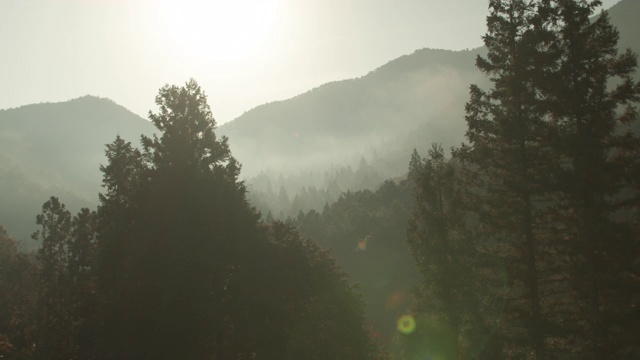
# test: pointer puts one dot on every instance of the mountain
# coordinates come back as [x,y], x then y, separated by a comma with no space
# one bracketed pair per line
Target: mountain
[344,135]
[55,149]
[624,15]
[344,120]
[380,117]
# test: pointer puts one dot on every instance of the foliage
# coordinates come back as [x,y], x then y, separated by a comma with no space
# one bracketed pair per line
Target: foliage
[593,102]
[446,258]
[184,260]
[365,230]
[549,168]
[18,286]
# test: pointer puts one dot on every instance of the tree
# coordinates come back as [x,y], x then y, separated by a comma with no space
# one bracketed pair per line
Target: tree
[65,302]
[551,164]
[446,257]
[300,303]
[593,103]
[54,322]
[81,271]
[172,223]
[506,165]
[123,175]
[193,263]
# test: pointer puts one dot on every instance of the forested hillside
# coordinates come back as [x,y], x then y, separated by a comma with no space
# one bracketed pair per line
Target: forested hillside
[175,252]
[343,120]
[315,138]
[503,227]
[57,149]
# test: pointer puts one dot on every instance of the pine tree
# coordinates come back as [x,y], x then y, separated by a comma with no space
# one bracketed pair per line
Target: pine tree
[193,264]
[506,164]
[174,221]
[593,103]
[123,175]
[54,321]
[82,285]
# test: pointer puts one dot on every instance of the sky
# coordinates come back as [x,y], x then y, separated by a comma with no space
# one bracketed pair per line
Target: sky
[243,53]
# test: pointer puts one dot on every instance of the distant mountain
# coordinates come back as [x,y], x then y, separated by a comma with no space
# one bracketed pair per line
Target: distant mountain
[407,103]
[56,149]
[343,135]
[624,16]
[343,120]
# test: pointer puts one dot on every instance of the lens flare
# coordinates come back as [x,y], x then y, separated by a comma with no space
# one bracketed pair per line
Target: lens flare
[362,244]
[406,324]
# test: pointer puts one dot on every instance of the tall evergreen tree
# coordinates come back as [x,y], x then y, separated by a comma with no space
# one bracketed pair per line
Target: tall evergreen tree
[123,175]
[174,218]
[81,269]
[193,266]
[54,321]
[552,161]
[506,163]
[593,104]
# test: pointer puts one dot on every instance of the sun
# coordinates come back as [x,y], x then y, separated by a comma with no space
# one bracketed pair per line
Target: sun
[222,30]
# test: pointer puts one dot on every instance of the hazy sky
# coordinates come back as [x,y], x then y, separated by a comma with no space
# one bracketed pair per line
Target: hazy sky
[242,52]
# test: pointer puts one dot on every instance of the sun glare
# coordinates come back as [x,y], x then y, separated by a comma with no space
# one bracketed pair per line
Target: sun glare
[218,30]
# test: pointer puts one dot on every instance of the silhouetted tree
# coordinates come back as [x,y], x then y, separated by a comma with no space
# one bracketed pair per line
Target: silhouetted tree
[194,264]
[593,103]
[54,320]
[81,268]
[506,163]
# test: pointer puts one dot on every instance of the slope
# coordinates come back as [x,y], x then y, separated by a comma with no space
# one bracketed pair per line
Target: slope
[56,148]
[350,118]
[407,103]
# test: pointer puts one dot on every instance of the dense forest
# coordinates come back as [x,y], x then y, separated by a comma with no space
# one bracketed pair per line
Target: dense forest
[522,242]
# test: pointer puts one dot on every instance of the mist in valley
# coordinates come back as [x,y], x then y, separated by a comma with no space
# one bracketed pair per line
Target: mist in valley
[473,203]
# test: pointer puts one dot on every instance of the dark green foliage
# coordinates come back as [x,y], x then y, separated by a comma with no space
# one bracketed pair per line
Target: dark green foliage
[594,109]
[18,292]
[175,264]
[81,270]
[506,163]
[550,169]
[301,302]
[173,225]
[54,322]
[66,289]
[182,257]
[365,230]
[446,257]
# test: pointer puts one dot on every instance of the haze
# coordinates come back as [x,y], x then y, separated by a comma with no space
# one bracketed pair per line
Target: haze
[244,53]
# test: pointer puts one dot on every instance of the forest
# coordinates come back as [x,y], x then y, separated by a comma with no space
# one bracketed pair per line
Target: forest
[521,242]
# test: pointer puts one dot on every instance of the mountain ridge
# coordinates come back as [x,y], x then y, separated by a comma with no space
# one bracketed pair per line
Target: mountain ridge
[56,149]
[378,117]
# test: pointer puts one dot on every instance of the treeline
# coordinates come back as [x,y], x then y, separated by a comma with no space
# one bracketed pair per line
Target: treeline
[174,263]
[280,197]
[366,230]
[526,239]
